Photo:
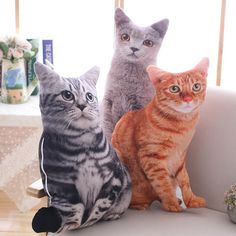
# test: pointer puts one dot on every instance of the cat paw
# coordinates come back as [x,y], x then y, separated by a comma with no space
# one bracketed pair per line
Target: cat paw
[112,217]
[172,206]
[196,202]
[139,206]
[70,226]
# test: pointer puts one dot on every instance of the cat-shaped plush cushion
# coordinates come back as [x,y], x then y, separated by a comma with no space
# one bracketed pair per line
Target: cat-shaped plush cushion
[153,141]
[81,173]
[128,87]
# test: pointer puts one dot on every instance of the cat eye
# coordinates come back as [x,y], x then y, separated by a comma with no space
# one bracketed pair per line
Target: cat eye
[148,43]
[67,95]
[89,97]
[196,87]
[125,37]
[174,89]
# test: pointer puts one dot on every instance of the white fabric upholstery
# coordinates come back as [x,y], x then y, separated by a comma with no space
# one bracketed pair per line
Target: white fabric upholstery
[154,222]
[212,153]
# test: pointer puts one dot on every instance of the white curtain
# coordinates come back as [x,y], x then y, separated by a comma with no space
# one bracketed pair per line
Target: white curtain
[229,53]
[193,30]
[82,33]
[7,17]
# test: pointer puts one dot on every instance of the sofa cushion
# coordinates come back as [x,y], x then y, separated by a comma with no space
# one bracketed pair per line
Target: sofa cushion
[154,221]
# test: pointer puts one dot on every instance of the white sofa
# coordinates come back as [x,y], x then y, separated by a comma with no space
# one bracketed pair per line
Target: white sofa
[212,169]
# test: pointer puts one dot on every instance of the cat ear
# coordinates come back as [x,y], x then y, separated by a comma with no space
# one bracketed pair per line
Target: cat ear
[161,27]
[203,66]
[120,17]
[44,73]
[155,74]
[91,76]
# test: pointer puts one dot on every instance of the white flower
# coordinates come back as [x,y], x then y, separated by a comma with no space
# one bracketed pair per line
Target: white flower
[10,53]
[14,48]
[3,39]
[17,53]
[20,42]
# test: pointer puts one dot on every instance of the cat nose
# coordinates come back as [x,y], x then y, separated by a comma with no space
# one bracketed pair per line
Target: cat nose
[134,49]
[187,99]
[81,107]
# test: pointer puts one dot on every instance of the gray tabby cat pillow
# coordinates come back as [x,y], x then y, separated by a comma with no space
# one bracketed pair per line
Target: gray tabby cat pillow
[81,173]
[128,87]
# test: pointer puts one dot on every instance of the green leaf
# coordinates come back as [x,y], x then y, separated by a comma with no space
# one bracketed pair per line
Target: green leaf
[35,45]
[4,48]
[28,54]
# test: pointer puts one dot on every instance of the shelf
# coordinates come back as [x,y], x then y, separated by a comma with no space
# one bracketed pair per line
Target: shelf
[25,114]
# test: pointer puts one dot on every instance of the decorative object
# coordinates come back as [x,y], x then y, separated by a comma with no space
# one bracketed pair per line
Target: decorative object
[230,201]
[30,64]
[153,141]
[14,89]
[14,52]
[82,175]
[47,50]
[15,48]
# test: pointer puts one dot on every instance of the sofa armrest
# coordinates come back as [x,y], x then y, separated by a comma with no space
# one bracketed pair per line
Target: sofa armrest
[211,157]
[36,189]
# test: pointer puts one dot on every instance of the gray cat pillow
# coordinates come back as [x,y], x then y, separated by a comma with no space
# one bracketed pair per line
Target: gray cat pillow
[128,87]
[82,175]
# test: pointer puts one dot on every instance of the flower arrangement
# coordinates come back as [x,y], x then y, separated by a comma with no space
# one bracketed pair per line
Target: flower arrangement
[230,197]
[15,48]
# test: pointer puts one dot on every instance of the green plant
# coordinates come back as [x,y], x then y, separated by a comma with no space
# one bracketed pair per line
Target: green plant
[230,197]
[14,48]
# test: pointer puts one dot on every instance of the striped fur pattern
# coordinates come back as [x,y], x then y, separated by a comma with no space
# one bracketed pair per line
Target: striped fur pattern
[81,173]
[127,86]
[153,141]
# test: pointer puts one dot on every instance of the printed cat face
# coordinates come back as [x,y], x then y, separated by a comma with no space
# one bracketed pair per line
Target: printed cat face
[67,103]
[180,92]
[135,43]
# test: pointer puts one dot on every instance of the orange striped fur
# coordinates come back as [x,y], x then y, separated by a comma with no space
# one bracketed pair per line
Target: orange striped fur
[153,141]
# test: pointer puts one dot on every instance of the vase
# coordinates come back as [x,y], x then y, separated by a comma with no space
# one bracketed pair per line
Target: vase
[232,214]
[14,83]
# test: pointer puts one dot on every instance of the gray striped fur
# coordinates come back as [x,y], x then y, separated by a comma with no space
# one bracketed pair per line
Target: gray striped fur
[84,178]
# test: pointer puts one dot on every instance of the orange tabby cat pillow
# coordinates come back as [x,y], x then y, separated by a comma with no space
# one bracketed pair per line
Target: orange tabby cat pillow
[153,141]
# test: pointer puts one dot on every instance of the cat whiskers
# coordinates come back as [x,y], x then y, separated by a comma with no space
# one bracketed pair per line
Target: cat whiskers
[69,123]
[73,117]
[90,114]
